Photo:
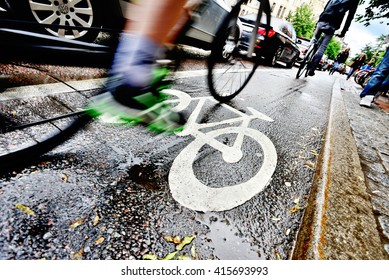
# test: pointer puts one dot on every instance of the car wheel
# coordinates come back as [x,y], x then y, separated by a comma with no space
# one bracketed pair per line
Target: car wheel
[86,15]
[275,56]
[290,64]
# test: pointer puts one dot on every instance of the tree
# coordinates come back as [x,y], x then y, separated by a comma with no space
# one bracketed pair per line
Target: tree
[303,21]
[376,9]
[333,48]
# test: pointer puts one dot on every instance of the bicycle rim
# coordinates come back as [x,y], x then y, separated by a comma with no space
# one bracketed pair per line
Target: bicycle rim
[303,68]
[32,127]
[229,67]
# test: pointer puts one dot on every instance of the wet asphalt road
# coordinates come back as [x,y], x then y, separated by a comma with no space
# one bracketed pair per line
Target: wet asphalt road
[106,193]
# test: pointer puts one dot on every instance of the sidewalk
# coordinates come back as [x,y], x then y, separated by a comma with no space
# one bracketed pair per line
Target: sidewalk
[348,210]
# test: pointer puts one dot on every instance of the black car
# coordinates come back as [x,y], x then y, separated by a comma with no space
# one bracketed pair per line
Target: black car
[281,45]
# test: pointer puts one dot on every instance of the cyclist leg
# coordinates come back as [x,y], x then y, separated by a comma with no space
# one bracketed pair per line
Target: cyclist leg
[327,31]
[127,95]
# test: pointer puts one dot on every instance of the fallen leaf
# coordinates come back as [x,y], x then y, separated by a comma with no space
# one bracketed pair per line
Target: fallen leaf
[27,210]
[149,257]
[275,219]
[177,240]
[64,177]
[170,256]
[187,240]
[310,164]
[184,258]
[297,206]
[287,231]
[193,252]
[77,223]
[169,238]
[99,240]
[96,220]
[313,152]
[78,255]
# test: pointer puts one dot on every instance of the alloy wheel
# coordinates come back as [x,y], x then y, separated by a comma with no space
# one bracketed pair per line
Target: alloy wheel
[62,14]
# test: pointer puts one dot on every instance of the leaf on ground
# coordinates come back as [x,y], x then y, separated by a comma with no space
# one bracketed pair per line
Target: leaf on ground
[27,210]
[173,239]
[64,177]
[184,258]
[77,223]
[187,240]
[149,257]
[297,206]
[276,219]
[96,220]
[78,255]
[194,252]
[310,164]
[170,256]
[313,152]
[99,240]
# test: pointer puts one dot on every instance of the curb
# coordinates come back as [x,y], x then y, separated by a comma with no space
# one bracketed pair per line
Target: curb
[338,223]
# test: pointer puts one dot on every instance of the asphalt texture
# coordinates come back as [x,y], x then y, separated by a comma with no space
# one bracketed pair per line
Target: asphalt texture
[85,198]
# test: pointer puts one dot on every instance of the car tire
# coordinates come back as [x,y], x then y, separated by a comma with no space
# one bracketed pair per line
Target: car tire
[290,64]
[62,12]
[273,58]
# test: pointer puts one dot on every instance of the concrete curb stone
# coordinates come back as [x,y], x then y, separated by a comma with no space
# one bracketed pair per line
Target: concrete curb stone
[339,222]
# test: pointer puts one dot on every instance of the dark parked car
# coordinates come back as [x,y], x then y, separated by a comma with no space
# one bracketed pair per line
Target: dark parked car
[282,40]
[92,16]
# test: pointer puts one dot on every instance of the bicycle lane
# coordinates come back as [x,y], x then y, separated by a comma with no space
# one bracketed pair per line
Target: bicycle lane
[110,197]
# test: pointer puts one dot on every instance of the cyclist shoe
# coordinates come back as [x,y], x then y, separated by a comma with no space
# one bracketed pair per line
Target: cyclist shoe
[134,106]
[367,100]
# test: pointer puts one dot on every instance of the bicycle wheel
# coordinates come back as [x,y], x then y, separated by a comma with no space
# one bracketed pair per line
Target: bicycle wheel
[32,127]
[303,68]
[230,64]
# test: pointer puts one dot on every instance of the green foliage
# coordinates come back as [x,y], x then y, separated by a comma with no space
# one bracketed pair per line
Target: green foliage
[376,9]
[303,21]
[375,53]
[333,48]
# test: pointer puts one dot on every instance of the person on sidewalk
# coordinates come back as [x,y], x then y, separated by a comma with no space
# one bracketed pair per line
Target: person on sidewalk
[379,81]
[340,59]
[127,94]
[367,66]
[329,21]
[356,64]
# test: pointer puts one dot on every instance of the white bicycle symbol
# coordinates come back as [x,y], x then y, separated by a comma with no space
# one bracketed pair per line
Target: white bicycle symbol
[188,190]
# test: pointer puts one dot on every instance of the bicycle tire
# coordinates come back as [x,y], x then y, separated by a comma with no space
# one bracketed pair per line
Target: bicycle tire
[303,68]
[24,150]
[226,82]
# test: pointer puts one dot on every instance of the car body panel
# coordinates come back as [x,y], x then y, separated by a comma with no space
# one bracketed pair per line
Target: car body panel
[303,45]
[285,36]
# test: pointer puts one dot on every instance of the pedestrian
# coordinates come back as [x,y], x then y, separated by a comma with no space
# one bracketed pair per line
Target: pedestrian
[367,66]
[127,94]
[379,81]
[329,21]
[356,64]
[340,59]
